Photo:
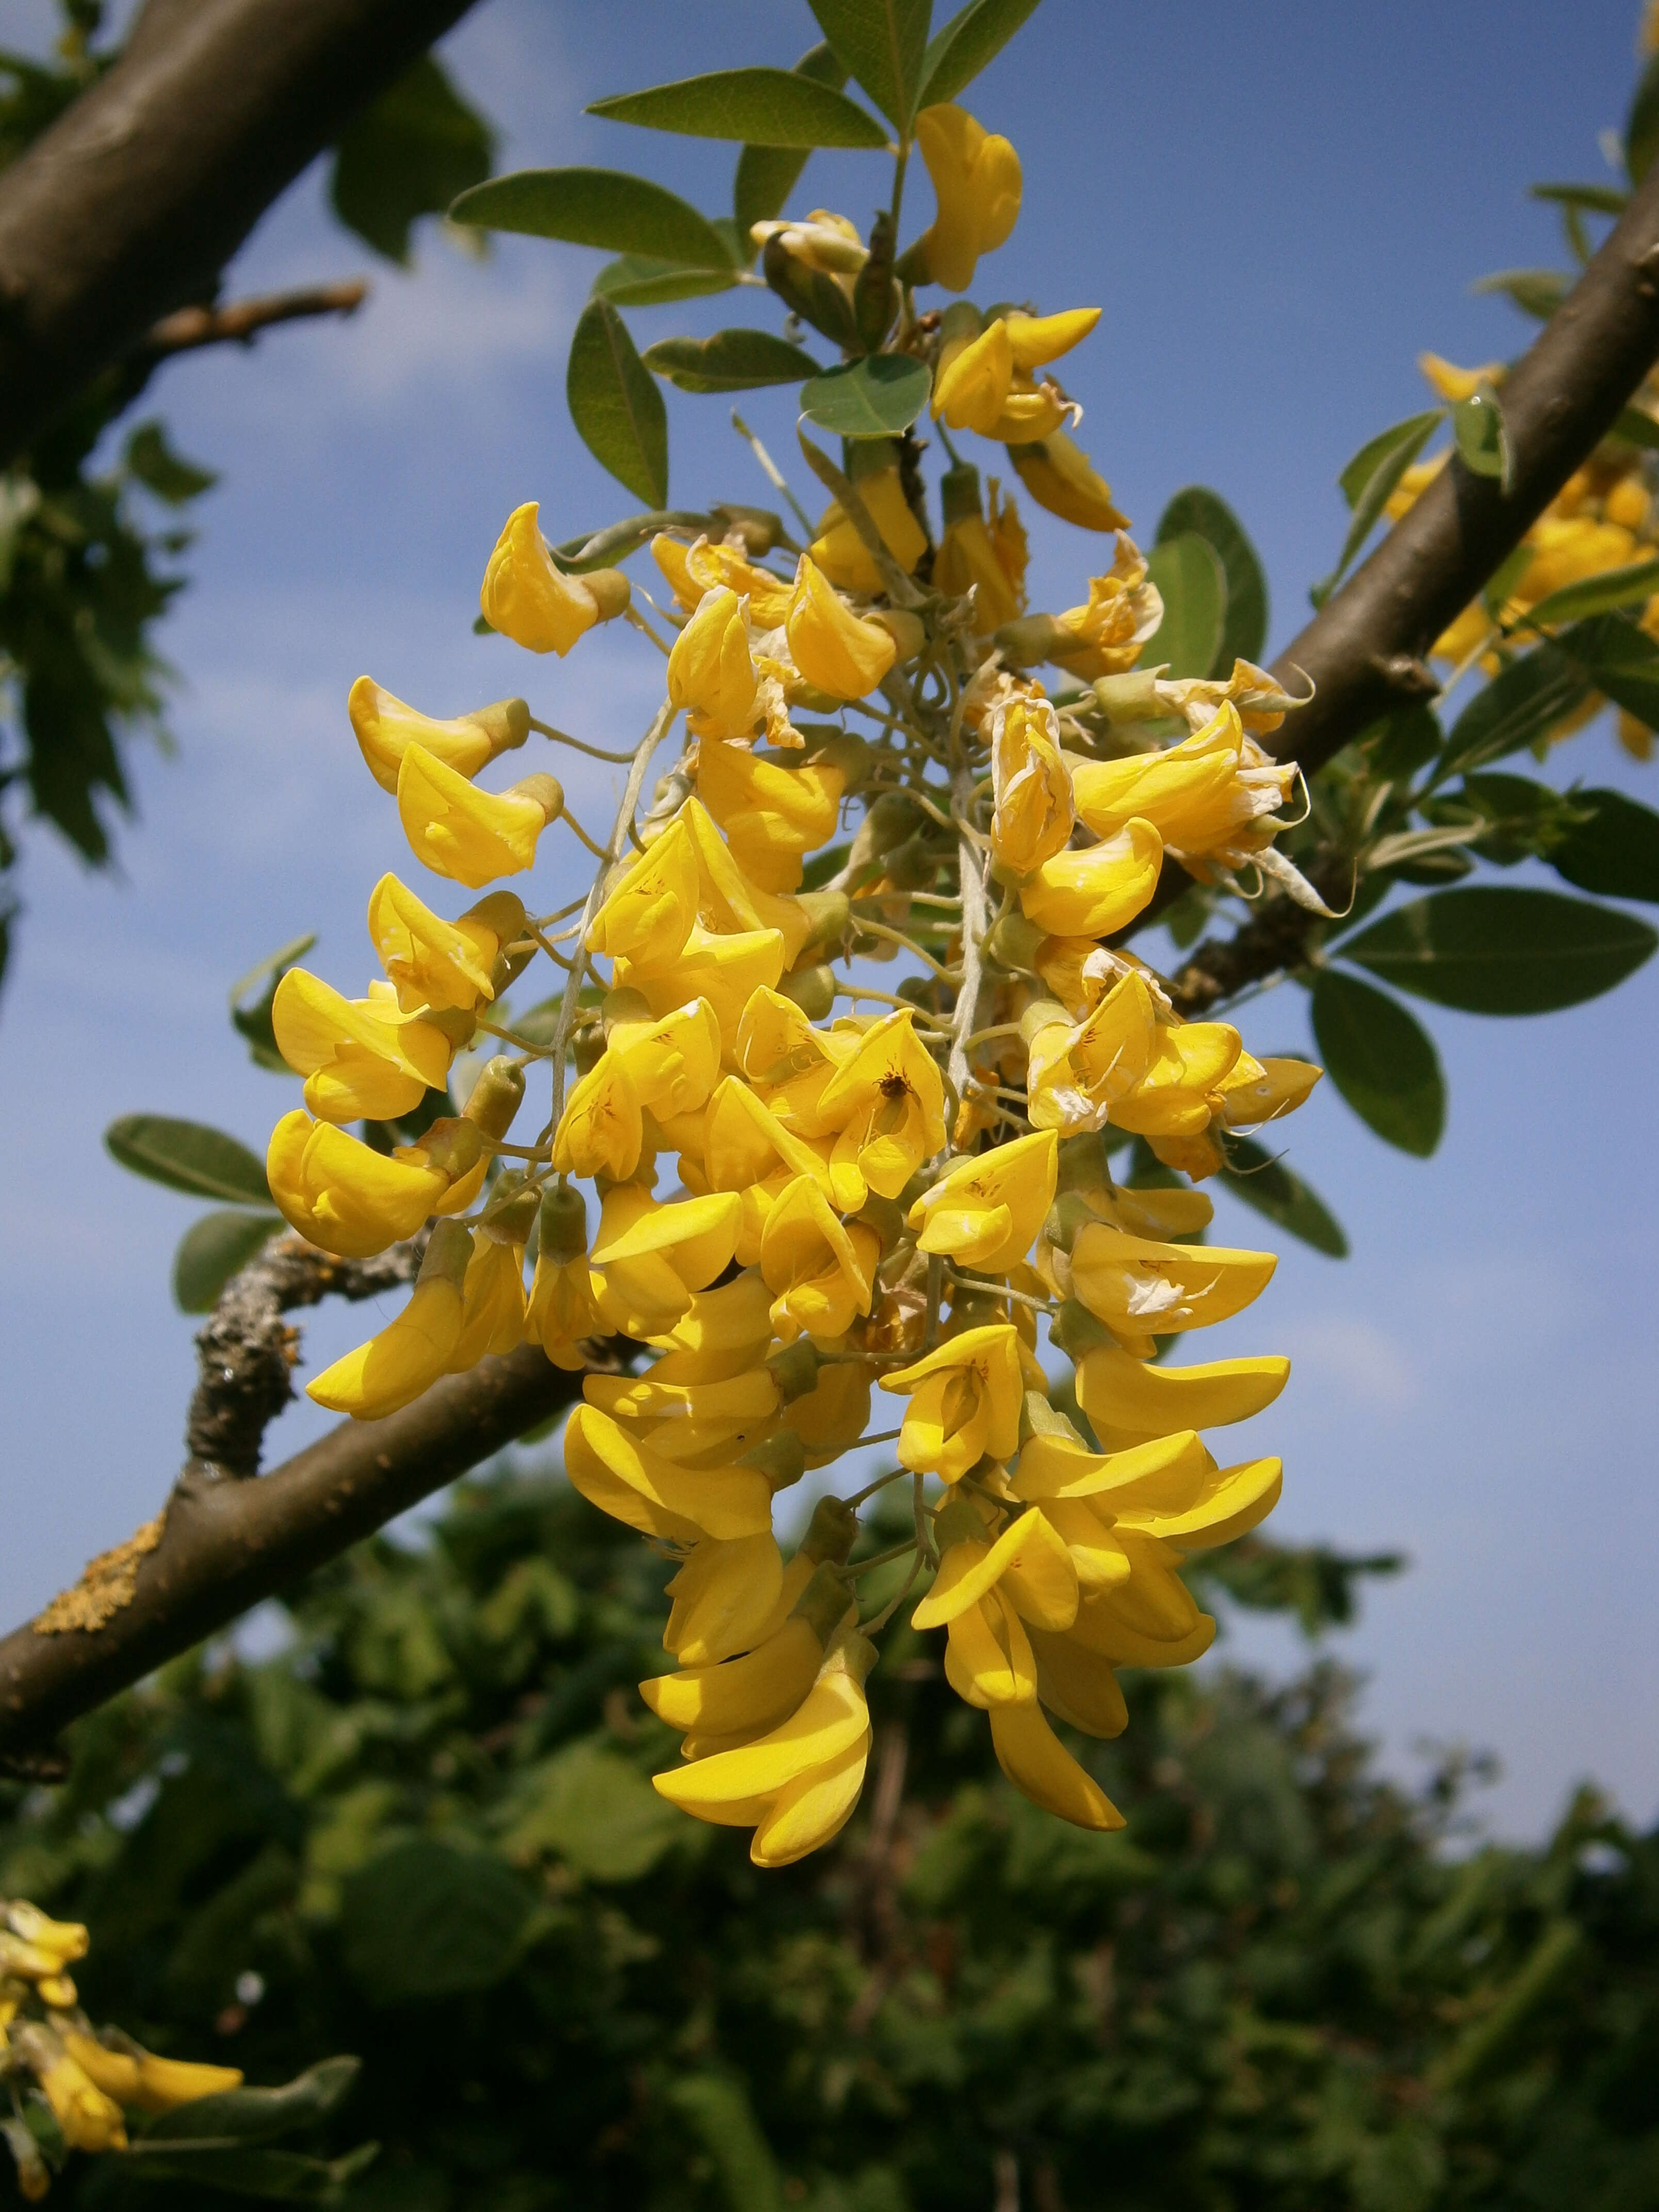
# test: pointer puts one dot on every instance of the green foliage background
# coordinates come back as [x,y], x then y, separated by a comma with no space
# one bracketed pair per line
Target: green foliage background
[426,1825]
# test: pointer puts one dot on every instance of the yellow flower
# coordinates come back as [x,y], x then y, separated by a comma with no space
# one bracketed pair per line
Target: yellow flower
[711,671]
[1099,890]
[651,1257]
[469,835]
[819,1270]
[563,1313]
[696,1424]
[1203,796]
[796,1785]
[988,1660]
[526,598]
[1028,1563]
[63,1940]
[748,1144]
[722,1332]
[145,2082]
[828,643]
[1032,785]
[976,177]
[601,1130]
[672,1060]
[622,1475]
[980,387]
[353,1201]
[1124,609]
[985,1211]
[729,1596]
[965,1400]
[886,1104]
[433,962]
[1057,474]
[1266,1090]
[1142,1289]
[409,1356]
[726,900]
[694,570]
[1076,1076]
[986,558]
[386,728]
[1451,382]
[361,1058]
[1041,1768]
[1077,1686]
[90,2120]
[652,901]
[725,970]
[843,554]
[492,1302]
[1128,1400]
[1180,1085]
[735,1700]
[831,1416]
[773,816]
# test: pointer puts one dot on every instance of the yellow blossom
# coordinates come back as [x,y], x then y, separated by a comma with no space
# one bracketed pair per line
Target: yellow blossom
[1204,796]
[562,1311]
[652,1257]
[980,387]
[842,555]
[438,963]
[1099,890]
[830,646]
[977,178]
[602,1127]
[1029,1563]
[1181,1086]
[984,1212]
[407,1357]
[89,2119]
[469,835]
[622,1475]
[819,1269]
[831,1416]
[492,1302]
[1265,1091]
[1057,474]
[144,2082]
[886,1104]
[526,598]
[694,570]
[725,969]
[1128,1399]
[965,1399]
[1032,787]
[773,816]
[386,728]
[1454,383]
[722,1332]
[711,671]
[652,901]
[737,1699]
[1142,1289]
[1041,1768]
[1124,609]
[362,1059]
[353,1201]
[730,1596]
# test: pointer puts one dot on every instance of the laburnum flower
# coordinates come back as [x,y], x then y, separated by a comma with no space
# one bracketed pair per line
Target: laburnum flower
[386,728]
[666,1066]
[724,967]
[986,557]
[842,555]
[622,1475]
[144,2083]
[362,1059]
[773,816]
[984,383]
[468,835]
[651,902]
[984,1211]
[536,604]
[886,1104]
[493,1305]
[650,1258]
[819,1269]
[440,964]
[965,1399]
[796,1785]
[833,648]
[1031,785]
[1097,890]
[1128,1400]
[89,2119]
[719,1707]
[1204,796]
[711,670]
[353,1201]
[976,179]
[1124,608]
[410,1354]
[1058,474]
[1141,1289]
[693,571]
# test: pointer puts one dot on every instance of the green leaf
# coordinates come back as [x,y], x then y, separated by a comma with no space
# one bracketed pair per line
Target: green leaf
[766,175]
[615,404]
[1634,427]
[425,1920]
[1522,818]
[1537,292]
[1642,124]
[882,43]
[406,155]
[1597,595]
[283,2177]
[1592,199]
[1368,481]
[1616,853]
[253,1022]
[1482,442]
[1403,742]
[1504,580]
[1620,659]
[1187,571]
[187,1156]
[1382,1061]
[596,1810]
[596,207]
[1518,707]
[716,2108]
[876,398]
[258,2115]
[974,36]
[148,457]
[639,280]
[731,360]
[212,1250]
[1267,1185]
[1497,950]
[764,107]
[1244,633]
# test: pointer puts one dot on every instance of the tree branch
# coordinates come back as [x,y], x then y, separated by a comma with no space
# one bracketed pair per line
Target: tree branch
[131,203]
[192,327]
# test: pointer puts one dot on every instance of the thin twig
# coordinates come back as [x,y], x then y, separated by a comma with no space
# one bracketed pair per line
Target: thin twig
[239,324]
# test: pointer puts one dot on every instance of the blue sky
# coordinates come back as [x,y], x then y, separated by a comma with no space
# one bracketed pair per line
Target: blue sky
[1277,208]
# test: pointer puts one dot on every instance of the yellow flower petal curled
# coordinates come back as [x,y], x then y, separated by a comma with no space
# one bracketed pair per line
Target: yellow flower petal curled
[562,1312]
[1180,1085]
[393,1368]
[538,606]
[693,570]
[471,835]
[729,1596]
[1077,1075]
[747,1143]
[886,1103]
[1231,1501]
[1166,1472]
[726,970]
[672,1060]
[1077,1686]
[773,816]
[842,555]
[965,1400]
[144,2082]
[747,1695]
[65,1941]
[386,727]
[1027,1562]
[834,1413]
[986,1209]
[1037,339]
[344,1197]
[1179,1635]
[1141,1290]
[1127,1398]
[1124,609]
[651,902]
[602,1127]
[987,1654]
[362,1059]
[1031,785]
[711,671]
[1041,1768]
[1058,475]
[433,962]
[652,1258]
[89,2119]
[812,1810]
[977,178]
[624,1477]
[1269,1089]
[819,1270]
[1203,795]
[722,1332]
[1099,890]
[493,1305]
[727,902]
[971,557]
[830,646]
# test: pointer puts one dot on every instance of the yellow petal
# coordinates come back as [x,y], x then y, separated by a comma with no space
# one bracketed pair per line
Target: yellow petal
[1041,1768]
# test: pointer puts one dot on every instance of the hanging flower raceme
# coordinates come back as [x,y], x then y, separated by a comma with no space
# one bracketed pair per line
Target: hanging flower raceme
[758,1196]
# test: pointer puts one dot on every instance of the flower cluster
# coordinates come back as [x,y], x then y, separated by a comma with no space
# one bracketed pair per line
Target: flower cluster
[78,2084]
[787,1188]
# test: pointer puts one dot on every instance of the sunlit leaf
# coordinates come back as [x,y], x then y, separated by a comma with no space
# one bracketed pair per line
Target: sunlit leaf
[730,361]
[882,43]
[1187,571]
[639,280]
[615,404]
[974,36]
[876,398]
[766,175]
[1478,431]
[1205,512]
[596,207]
[1368,481]
[764,107]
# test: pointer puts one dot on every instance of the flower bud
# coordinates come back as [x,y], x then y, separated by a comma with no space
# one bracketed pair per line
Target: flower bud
[781,1459]
[1076,1331]
[1068,1215]
[496,1096]
[876,297]
[1013,943]
[794,1368]
[756,529]
[452,1146]
[612,590]
[513,1209]
[812,989]
[1042,1014]
[907,631]
[828,914]
[822,1604]
[1132,697]
[831,1531]
[563,1235]
[812,293]
[1031,639]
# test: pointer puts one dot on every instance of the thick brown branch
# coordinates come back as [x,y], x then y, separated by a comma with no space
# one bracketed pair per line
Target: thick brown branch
[1273,941]
[1365,650]
[238,324]
[129,206]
